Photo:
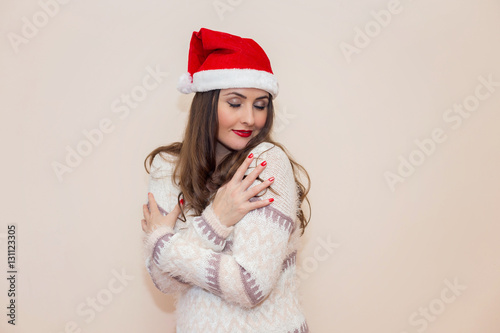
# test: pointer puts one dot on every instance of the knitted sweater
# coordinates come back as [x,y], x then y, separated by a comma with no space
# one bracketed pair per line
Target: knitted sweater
[230,279]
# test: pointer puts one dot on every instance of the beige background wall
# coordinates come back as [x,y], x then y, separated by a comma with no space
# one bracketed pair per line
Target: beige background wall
[361,83]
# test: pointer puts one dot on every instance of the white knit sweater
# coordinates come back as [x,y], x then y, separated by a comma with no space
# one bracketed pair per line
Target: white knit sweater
[230,279]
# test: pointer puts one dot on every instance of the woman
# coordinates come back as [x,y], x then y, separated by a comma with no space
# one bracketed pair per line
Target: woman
[232,260]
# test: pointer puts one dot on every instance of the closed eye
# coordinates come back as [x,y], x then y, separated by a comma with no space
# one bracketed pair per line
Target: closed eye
[234,105]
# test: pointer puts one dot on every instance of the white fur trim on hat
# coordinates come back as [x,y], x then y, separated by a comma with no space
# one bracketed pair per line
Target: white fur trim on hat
[185,84]
[234,78]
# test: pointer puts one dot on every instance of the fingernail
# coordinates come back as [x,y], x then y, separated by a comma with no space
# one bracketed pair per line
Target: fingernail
[271,200]
[149,193]
[271,179]
[181,201]
[263,163]
[250,156]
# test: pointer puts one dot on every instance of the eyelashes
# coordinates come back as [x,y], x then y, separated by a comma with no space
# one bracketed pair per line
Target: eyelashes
[255,106]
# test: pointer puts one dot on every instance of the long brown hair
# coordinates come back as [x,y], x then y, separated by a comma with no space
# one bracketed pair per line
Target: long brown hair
[196,172]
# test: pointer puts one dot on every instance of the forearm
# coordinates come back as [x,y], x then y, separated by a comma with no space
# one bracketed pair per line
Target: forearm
[248,274]
[165,282]
[209,232]
[205,231]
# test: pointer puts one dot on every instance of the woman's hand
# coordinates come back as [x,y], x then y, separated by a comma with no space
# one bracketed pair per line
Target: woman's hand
[154,219]
[231,201]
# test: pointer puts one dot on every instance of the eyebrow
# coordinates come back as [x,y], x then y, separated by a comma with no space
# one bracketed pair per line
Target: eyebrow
[243,96]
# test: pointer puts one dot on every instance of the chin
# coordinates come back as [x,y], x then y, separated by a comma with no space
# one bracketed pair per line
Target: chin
[238,145]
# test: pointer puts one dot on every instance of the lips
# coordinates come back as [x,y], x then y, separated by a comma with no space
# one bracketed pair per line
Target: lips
[244,134]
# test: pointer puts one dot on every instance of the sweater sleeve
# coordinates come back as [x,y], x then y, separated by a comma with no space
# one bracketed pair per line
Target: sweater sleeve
[160,185]
[165,282]
[209,232]
[260,241]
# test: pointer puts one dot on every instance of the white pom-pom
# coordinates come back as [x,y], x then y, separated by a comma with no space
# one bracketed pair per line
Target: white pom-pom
[185,83]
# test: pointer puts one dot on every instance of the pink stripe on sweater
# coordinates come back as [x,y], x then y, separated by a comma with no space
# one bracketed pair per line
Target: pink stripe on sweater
[283,220]
[302,329]
[159,246]
[207,230]
[251,287]
[289,260]
[213,273]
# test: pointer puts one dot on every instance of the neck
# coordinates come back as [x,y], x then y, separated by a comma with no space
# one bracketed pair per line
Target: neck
[220,152]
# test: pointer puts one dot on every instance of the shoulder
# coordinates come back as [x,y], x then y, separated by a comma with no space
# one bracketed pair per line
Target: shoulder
[163,164]
[269,149]
[274,155]
[285,189]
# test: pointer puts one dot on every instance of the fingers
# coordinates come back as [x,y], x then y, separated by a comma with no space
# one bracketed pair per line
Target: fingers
[145,211]
[152,219]
[176,211]
[250,178]
[260,187]
[240,172]
[260,203]
[144,222]
[152,203]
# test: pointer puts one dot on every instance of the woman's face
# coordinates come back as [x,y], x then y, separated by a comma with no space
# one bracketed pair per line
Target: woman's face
[242,114]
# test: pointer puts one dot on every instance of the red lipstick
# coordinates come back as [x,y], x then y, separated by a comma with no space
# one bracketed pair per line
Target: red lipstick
[244,134]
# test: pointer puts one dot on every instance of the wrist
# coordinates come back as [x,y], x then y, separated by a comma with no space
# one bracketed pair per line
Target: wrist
[216,221]
[216,216]
[150,239]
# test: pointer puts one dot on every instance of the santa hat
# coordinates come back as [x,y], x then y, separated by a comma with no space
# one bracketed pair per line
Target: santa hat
[218,60]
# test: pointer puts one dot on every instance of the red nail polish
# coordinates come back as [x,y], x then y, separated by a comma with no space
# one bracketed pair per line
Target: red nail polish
[271,179]
[182,201]
[263,163]
[271,200]
[250,156]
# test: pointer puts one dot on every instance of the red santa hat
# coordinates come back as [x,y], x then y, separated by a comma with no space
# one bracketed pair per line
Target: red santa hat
[218,60]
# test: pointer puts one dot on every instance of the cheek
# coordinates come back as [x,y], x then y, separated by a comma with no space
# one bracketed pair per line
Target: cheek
[260,119]
[225,119]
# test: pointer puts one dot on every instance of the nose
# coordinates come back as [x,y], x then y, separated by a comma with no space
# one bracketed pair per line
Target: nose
[247,116]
